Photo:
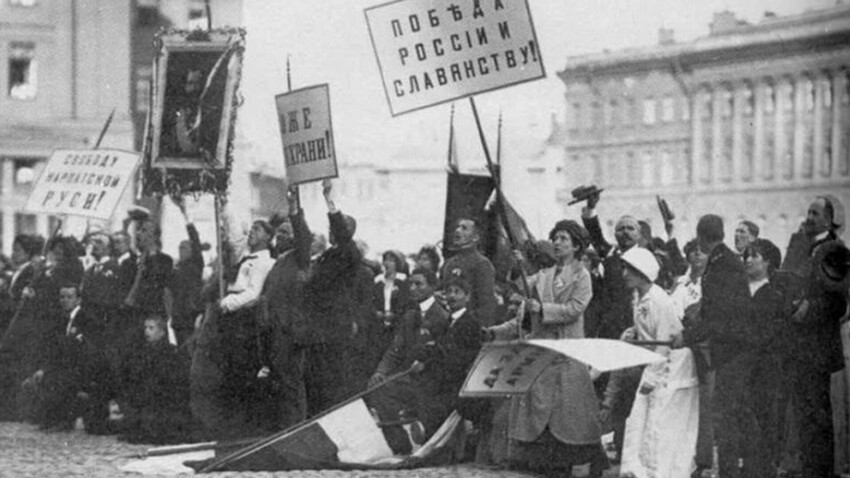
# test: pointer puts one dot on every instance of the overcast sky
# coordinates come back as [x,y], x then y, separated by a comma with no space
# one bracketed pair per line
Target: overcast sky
[328,42]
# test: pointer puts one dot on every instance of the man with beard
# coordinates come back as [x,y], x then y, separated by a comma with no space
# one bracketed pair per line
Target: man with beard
[470,264]
[615,314]
[817,259]
[286,319]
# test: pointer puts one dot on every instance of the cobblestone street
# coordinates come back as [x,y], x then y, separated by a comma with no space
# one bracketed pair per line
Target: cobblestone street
[27,452]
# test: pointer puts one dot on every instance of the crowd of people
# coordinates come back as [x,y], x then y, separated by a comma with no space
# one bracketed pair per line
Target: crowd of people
[114,331]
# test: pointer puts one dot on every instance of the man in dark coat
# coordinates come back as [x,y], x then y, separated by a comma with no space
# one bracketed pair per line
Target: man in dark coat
[332,295]
[469,263]
[100,288]
[286,316]
[426,321]
[614,308]
[430,392]
[187,281]
[817,259]
[724,324]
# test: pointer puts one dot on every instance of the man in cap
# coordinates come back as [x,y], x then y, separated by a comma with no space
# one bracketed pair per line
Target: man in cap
[470,264]
[817,257]
[661,431]
[723,325]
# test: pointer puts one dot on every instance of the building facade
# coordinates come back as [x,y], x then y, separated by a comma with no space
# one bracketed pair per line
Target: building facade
[63,68]
[750,122]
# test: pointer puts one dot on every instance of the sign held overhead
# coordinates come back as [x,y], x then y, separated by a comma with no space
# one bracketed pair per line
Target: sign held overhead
[304,117]
[434,51]
[82,182]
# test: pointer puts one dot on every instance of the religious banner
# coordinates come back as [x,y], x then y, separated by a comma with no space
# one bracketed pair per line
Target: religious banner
[434,51]
[82,183]
[195,95]
[304,117]
[509,368]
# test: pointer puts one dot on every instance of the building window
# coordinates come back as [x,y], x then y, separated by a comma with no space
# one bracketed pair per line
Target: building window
[649,111]
[686,110]
[668,109]
[668,175]
[769,98]
[748,100]
[611,114]
[786,93]
[726,104]
[809,93]
[25,223]
[23,78]
[595,115]
[576,116]
[629,111]
[647,176]
[826,87]
[707,105]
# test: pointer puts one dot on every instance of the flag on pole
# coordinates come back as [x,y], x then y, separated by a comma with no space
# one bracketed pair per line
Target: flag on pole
[453,165]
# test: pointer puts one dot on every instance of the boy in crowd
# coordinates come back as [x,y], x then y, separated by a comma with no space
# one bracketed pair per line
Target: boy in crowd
[154,380]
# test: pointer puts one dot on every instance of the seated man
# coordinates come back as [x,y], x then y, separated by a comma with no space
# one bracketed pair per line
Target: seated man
[426,321]
[154,396]
[430,393]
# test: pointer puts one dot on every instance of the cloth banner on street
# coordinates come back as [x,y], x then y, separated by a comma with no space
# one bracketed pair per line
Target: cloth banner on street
[434,51]
[508,368]
[82,182]
[304,117]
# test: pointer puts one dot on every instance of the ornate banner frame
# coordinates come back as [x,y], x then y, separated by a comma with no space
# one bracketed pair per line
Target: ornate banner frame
[189,134]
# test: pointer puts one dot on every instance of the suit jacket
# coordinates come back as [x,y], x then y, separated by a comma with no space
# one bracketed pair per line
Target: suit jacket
[723,310]
[101,294]
[399,297]
[615,309]
[283,291]
[817,338]
[470,264]
[413,332]
[450,359]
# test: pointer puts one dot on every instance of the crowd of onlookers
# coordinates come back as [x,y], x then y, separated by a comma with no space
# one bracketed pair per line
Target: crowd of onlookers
[114,331]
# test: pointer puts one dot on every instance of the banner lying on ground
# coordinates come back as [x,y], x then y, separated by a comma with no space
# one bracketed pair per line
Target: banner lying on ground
[304,117]
[433,51]
[506,368]
[82,183]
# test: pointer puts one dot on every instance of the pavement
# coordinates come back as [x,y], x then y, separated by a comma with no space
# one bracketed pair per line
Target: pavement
[29,452]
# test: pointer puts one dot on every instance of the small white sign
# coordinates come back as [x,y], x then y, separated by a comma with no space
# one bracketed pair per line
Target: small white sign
[304,117]
[82,182]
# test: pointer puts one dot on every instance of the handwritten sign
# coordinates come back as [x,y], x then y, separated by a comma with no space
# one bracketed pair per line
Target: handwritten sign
[509,368]
[506,368]
[304,117]
[434,51]
[82,183]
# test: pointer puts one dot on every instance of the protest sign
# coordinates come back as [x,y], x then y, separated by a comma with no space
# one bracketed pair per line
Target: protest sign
[433,51]
[507,368]
[304,117]
[82,182]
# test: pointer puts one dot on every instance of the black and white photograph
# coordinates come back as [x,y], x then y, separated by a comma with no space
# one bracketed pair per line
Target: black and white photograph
[425,238]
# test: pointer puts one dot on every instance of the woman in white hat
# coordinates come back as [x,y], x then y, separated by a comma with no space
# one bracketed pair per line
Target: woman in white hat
[661,431]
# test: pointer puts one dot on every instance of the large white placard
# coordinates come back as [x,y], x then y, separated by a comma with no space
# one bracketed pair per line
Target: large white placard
[304,118]
[433,51]
[508,368]
[82,182]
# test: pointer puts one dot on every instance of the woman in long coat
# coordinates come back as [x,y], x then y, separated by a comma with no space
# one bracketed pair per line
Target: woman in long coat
[555,424]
